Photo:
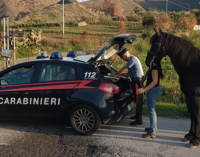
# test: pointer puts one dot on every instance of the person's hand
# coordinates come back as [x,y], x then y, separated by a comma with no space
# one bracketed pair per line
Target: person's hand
[141,90]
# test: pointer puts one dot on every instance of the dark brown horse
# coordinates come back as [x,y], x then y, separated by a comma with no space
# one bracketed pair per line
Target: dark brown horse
[186,61]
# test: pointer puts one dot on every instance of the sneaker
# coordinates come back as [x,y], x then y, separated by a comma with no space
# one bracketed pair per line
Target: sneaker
[133,117]
[136,122]
[186,140]
[148,136]
[147,130]
[192,146]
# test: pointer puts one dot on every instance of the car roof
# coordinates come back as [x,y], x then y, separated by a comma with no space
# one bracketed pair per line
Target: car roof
[66,60]
[76,60]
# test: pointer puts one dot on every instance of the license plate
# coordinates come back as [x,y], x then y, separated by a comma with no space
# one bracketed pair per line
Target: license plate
[129,107]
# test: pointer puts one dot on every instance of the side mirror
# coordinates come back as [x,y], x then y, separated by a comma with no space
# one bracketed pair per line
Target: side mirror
[3,82]
[132,37]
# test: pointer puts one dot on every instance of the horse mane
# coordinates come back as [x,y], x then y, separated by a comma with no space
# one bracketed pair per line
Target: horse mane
[184,55]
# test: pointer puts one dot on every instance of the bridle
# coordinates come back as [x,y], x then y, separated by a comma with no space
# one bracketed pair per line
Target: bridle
[160,43]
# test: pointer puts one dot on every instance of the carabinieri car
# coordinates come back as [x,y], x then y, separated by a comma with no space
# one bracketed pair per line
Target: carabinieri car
[74,89]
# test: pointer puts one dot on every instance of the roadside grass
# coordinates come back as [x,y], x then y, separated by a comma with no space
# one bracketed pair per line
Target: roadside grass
[164,109]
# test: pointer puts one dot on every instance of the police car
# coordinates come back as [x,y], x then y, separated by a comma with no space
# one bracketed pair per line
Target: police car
[76,89]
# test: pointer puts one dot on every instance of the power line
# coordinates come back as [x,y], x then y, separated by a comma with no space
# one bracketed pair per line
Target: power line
[171,3]
[178,5]
[163,0]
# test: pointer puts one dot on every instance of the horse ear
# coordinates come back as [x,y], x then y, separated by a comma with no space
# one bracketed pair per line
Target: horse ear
[157,32]
[160,30]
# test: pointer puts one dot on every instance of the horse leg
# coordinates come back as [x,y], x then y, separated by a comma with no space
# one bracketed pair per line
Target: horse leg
[195,121]
[190,135]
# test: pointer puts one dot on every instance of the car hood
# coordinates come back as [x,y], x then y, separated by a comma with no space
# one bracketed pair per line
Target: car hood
[113,46]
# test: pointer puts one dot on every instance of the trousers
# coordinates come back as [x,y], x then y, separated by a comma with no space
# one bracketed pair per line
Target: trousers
[138,98]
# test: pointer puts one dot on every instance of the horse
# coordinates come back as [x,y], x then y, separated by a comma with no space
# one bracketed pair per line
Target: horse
[185,58]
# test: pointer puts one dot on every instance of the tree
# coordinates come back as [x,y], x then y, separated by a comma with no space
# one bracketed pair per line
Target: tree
[162,21]
[121,27]
[117,9]
[148,20]
[134,17]
[187,22]
[110,7]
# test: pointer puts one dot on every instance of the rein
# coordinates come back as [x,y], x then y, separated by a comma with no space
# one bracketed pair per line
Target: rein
[154,56]
[147,73]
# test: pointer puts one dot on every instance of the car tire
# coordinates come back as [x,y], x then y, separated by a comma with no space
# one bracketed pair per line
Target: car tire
[84,119]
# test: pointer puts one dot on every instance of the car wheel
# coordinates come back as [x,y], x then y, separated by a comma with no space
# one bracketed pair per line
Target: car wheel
[84,119]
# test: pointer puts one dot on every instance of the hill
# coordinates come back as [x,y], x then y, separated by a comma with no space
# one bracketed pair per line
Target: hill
[173,5]
[51,10]
[45,10]
[127,5]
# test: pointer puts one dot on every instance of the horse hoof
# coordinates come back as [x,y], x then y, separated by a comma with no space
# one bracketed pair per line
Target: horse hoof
[185,140]
[192,146]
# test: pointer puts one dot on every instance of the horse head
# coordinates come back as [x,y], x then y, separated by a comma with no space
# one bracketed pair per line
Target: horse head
[157,50]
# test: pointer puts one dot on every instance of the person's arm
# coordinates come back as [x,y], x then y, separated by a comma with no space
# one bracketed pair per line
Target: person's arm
[125,75]
[154,74]
[120,72]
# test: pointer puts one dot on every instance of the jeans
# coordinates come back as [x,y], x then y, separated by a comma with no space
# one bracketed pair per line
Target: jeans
[151,98]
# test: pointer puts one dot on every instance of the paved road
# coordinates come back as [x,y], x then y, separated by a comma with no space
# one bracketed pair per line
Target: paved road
[20,139]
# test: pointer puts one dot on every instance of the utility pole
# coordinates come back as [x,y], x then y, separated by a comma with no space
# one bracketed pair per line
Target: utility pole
[166,6]
[63,19]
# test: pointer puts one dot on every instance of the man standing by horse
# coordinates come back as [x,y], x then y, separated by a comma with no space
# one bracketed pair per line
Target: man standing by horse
[135,72]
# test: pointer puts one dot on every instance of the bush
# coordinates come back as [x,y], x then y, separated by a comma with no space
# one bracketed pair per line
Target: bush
[162,21]
[84,35]
[187,22]
[45,42]
[148,20]
[134,17]
[121,27]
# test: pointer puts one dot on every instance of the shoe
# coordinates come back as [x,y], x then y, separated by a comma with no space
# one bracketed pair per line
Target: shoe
[186,140]
[147,130]
[136,122]
[133,117]
[148,136]
[192,146]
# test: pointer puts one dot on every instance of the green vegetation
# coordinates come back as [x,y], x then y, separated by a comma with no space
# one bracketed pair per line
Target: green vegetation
[166,110]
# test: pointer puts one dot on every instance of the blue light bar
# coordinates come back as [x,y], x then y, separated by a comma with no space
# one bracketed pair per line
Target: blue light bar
[72,54]
[56,55]
[42,54]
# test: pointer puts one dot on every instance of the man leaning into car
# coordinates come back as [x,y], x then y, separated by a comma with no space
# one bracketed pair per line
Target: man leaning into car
[135,72]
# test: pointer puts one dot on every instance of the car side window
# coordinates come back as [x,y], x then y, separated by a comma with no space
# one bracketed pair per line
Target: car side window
[54,73]
[72,74]
[20,75]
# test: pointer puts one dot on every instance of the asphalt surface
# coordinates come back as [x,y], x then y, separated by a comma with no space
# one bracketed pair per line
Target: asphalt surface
[25,139]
